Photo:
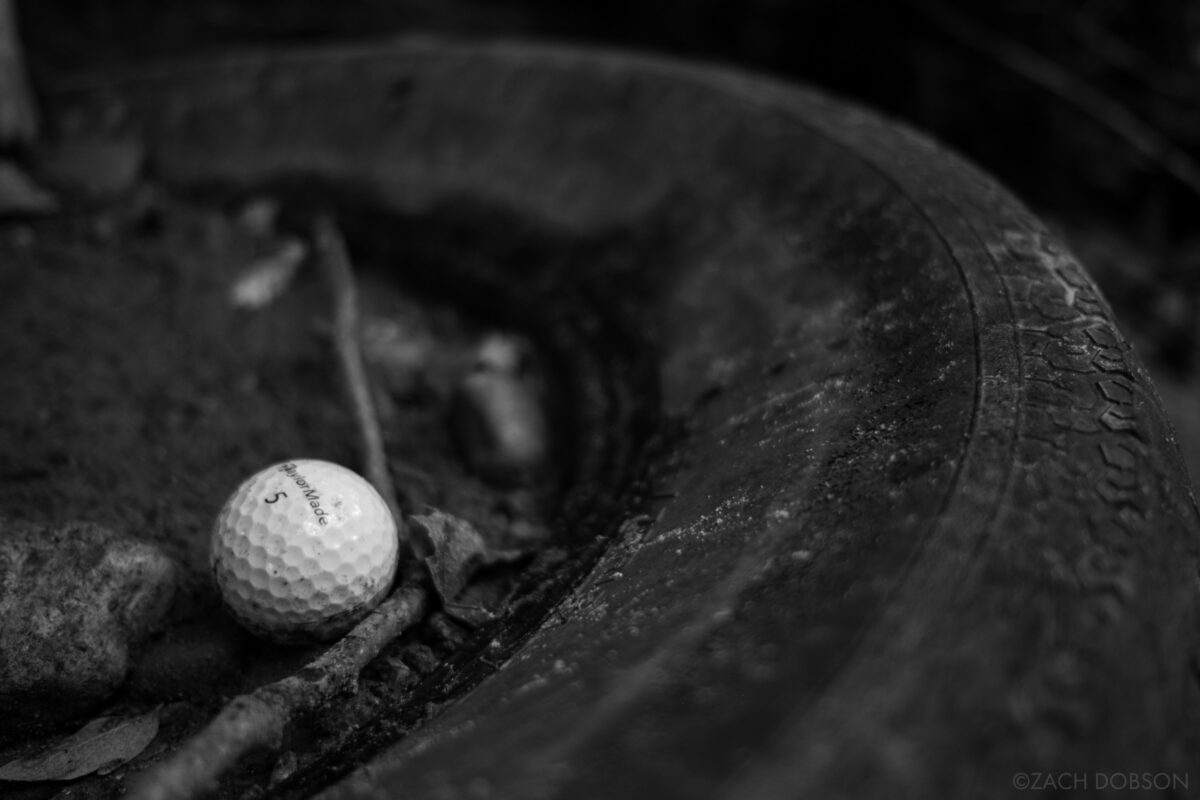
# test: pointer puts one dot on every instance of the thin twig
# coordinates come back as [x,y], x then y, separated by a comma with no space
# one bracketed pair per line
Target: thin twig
[258,719]
[335,260]
[1041,71]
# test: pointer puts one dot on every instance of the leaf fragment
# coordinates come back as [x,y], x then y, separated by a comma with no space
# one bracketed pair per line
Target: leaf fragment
[456,551]
[102,745]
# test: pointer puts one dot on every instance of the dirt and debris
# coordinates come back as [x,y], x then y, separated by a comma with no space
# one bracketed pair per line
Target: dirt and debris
[169,346]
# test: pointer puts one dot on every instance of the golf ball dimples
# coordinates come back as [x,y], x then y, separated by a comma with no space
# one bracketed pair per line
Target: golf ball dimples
[303,550]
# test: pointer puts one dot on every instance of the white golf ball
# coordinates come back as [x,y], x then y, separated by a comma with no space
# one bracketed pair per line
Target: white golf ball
[303,550]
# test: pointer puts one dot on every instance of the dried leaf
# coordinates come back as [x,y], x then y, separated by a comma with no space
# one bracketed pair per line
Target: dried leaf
[456,551]
[266,278]
[101,745]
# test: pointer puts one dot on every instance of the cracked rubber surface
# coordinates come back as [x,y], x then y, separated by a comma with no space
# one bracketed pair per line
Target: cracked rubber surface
[927,528]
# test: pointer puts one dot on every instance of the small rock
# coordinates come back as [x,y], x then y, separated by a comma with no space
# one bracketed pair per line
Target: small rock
[500,426]
[74,600]
[266,278]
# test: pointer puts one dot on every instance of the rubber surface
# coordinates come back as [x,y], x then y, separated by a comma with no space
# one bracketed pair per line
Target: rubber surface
[927,530]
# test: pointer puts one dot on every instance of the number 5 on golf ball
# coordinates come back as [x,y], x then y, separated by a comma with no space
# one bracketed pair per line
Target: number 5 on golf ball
[303,550]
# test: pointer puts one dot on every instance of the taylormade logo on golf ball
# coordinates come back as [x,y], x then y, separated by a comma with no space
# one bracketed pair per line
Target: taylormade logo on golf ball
[311,495]
[303,550]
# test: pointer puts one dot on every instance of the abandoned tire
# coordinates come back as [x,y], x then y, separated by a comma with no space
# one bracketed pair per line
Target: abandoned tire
[919,526]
